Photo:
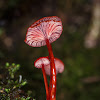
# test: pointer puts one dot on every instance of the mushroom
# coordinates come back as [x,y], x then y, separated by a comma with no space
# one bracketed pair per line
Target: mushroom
[41,33]
[41,63]
[44,63]
[59,65]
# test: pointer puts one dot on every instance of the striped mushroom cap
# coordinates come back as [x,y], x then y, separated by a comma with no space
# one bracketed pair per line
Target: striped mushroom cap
[46,28]
[59,65]
[41,61]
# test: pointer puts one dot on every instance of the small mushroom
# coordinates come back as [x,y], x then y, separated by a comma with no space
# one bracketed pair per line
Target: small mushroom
[44,63]
[41,63]
[58,64]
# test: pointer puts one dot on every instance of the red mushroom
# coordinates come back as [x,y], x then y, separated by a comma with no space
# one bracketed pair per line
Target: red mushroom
[58,64]
[43,32]
[44,63]
[41,63]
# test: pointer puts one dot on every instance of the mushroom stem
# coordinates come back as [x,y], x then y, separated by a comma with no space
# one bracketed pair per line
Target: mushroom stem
[52,86]
[46,83]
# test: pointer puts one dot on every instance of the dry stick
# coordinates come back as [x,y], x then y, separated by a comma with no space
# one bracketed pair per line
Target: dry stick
[52,73]
[91,38]
[46,83]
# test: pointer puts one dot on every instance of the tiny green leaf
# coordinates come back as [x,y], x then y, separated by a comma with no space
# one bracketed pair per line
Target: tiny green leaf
[7,64]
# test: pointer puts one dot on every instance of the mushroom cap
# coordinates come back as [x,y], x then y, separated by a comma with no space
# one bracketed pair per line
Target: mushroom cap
[46,28]
[59,65]
[41,61]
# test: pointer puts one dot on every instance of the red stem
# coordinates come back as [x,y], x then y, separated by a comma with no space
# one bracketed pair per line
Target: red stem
[52,73]
[46,83]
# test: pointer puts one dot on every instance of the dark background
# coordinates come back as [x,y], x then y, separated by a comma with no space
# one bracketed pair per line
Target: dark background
[78,46]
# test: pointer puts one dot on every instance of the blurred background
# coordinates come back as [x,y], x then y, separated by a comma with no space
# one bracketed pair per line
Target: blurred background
[78,46]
